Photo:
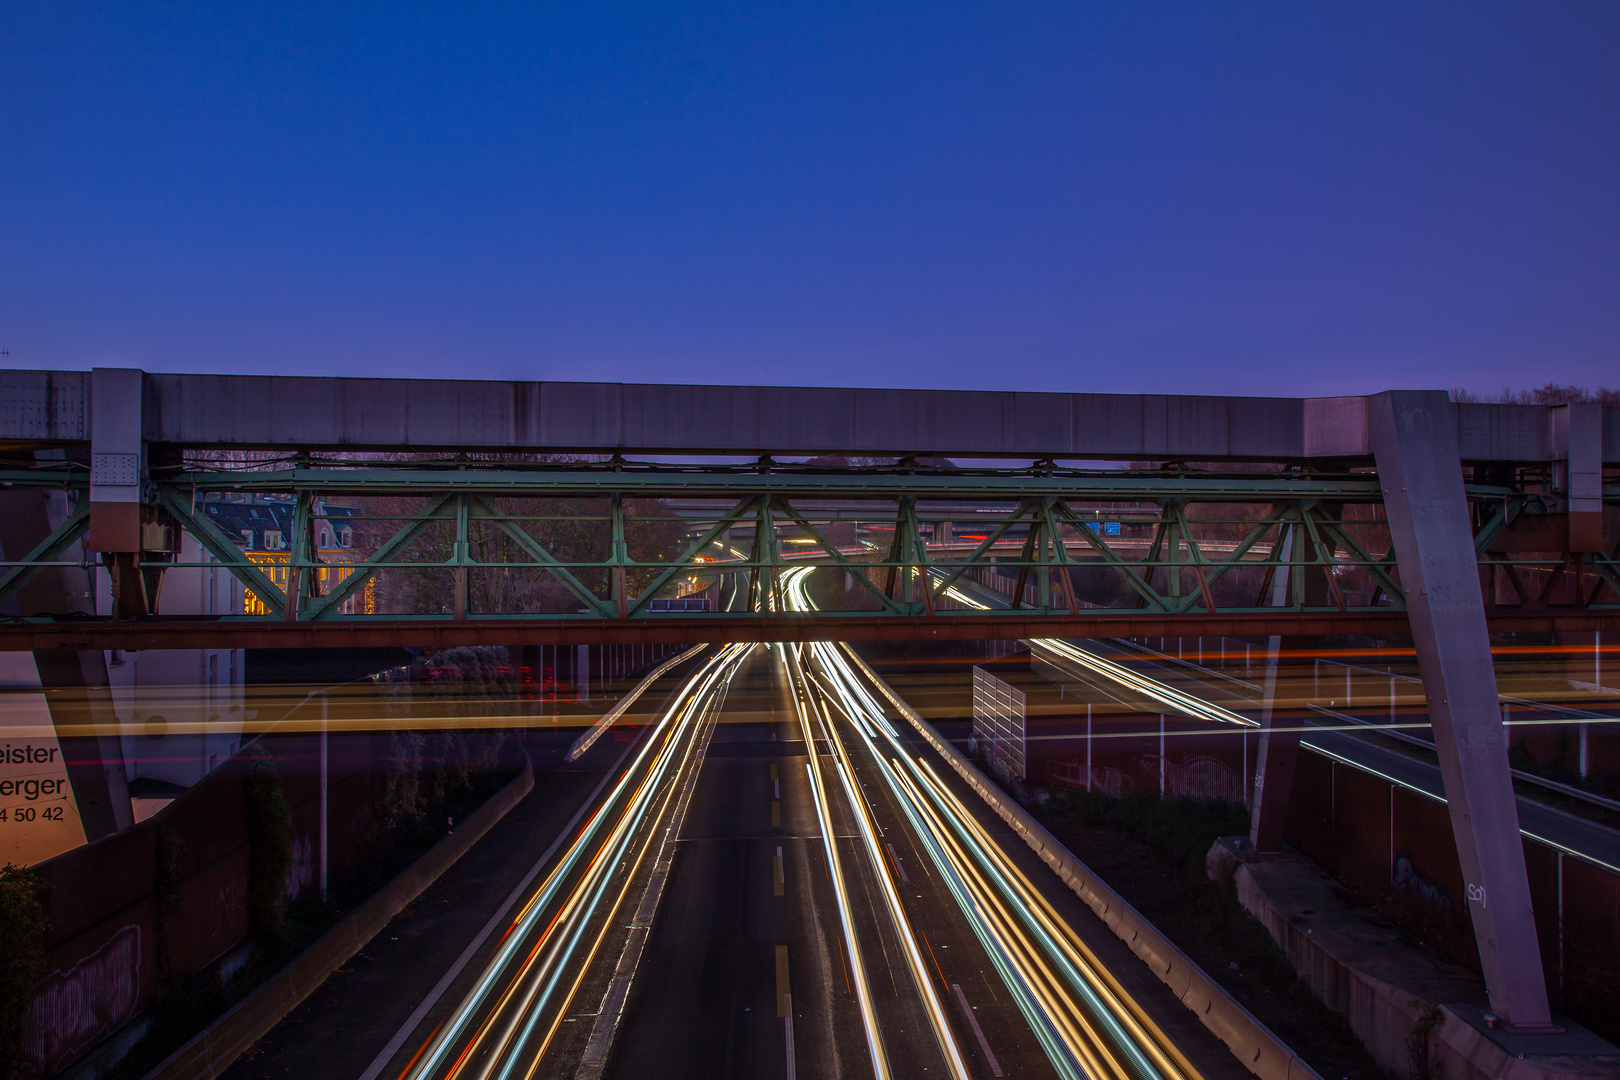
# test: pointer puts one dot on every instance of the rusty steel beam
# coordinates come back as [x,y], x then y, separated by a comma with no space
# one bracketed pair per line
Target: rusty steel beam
[201,633]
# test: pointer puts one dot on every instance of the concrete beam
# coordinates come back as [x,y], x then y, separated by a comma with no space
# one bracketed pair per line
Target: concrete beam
[44,406]
[391,414]
[387,413]
[1414,436]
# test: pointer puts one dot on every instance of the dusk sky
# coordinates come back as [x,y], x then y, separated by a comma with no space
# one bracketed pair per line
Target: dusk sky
[1213,198]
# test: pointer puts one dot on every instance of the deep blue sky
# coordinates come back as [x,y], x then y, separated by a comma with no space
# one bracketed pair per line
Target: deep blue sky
[1218,197]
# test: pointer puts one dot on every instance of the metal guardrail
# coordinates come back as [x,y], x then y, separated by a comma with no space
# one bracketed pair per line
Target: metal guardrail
[1518,774]
[1578,716]
[605,721]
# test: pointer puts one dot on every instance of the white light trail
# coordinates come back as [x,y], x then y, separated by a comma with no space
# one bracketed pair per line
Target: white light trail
[1088,1024]
[818,793]
[532,959]
[1163,693]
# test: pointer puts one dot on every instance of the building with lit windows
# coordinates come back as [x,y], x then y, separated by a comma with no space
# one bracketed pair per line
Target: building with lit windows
[264,527]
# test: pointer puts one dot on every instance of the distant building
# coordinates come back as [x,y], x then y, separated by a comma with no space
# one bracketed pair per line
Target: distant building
[264,529]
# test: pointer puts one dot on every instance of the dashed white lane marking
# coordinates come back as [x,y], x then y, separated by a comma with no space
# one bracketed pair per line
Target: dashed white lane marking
[901,870]
[978,1032]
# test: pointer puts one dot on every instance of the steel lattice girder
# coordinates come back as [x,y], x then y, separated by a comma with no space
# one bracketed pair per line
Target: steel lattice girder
[1041,501]
[796,499]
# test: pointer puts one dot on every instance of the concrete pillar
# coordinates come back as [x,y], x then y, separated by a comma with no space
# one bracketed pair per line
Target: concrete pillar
[80,699]
[117,460]
[117,468]
[1413,436]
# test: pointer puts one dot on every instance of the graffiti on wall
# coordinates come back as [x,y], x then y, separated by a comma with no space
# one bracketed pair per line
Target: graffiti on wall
[1197,776]
[1407,880]
[302,871]
[76,1008]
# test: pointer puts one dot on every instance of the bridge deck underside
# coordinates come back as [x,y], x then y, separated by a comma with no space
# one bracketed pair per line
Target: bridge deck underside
[676,629]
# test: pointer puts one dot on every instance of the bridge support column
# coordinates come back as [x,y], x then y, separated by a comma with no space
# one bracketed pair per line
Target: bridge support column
[1413,436]
[133,544]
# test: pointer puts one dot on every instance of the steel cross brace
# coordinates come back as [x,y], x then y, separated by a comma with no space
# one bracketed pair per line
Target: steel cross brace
[221,546]
[363,571]
[1244,546]
[1143,586]
[1324,557]
[1387,586]
[1184,529]
[915,556]
[300,558]
[538,552]
[1061,556]
[732,517]
[46,550]
[856,570]
[985,545]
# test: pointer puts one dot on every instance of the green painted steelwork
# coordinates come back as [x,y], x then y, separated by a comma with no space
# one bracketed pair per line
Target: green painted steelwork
[46,551]
[1184,533]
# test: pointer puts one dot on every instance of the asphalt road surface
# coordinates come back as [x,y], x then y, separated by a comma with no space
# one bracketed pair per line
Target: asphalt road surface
[773,878]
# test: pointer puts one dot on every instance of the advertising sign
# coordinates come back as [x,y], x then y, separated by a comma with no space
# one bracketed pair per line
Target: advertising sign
[38,815]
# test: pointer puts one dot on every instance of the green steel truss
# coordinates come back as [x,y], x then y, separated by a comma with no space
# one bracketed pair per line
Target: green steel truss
[619,539]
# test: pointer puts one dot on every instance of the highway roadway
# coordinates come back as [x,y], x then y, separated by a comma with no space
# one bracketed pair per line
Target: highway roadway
[775,879]
[588,915]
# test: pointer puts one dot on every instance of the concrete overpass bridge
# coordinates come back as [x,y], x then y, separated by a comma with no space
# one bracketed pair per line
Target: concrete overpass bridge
[535,512]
